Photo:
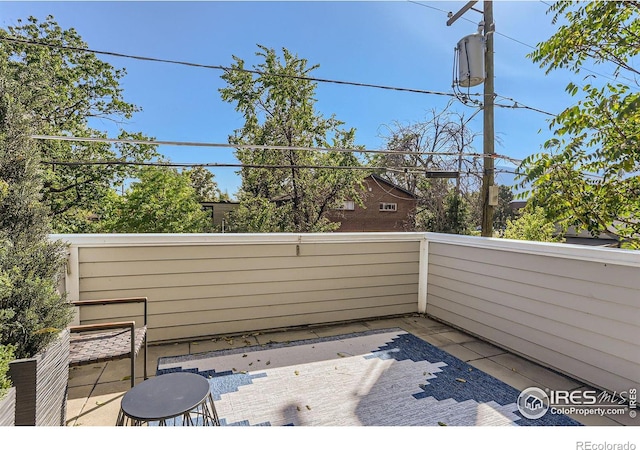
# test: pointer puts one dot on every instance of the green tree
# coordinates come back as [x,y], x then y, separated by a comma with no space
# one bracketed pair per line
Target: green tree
[32,311]
[503,211]
[532,225]
[456,218]
[588,175]
[161,201]
[203,182]
[277,104]
[65,90]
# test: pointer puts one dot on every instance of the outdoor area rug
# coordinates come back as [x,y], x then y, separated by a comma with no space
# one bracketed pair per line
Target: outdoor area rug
[376,378]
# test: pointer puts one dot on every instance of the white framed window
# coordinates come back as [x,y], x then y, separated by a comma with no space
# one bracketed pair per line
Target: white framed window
[349,205]
[389,207]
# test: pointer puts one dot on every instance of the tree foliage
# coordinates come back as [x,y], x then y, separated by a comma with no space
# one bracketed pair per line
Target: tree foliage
[66,90]
[161,201]
[6,356]
[32,311]
[295,192]
[204,184]
[456,218]
[588,176]
[503,211]
[432,145]
[532,225]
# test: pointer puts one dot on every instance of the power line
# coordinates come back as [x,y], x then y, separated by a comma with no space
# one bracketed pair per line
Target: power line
[464,98]
[224,68]
[427,173]
[609,77]
[254,146]
[518,105]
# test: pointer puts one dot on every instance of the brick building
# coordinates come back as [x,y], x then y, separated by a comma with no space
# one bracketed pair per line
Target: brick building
[387,208]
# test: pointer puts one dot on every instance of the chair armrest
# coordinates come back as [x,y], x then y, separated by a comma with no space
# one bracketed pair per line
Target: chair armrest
[107,301]
[102,326]
[110,301]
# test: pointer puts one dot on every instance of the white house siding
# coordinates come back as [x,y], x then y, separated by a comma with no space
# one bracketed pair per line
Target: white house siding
[217,284]
[575,309]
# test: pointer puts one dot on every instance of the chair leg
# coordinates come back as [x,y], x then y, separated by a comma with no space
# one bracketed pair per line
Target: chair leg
[133,369]
[145,358]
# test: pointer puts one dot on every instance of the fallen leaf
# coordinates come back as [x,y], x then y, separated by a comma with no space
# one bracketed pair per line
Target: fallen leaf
[298,408]
[268,362]
[296,372]
[250,363]
[442,424]
[309,407]
[461,380]
[245,355]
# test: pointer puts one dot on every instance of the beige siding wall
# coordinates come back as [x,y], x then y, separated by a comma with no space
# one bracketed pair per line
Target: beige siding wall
[575,309]
[227,284]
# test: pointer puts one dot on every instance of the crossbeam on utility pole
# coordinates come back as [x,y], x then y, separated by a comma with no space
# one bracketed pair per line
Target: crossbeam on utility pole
[459,14]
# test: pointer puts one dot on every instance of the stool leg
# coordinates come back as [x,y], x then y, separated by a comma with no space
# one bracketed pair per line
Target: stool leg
[120,419]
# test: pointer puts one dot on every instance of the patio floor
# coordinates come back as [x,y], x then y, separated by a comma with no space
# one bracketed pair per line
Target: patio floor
[95,391]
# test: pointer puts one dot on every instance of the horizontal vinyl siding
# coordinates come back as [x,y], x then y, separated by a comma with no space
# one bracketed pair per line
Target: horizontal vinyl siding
[579,316]
[197,290]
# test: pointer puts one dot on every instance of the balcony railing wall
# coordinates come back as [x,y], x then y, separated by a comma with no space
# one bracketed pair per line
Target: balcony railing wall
[572,308]
[202,285]
[575,309]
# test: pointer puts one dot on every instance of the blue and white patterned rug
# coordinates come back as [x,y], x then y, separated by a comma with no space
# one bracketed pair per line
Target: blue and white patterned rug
[383,377]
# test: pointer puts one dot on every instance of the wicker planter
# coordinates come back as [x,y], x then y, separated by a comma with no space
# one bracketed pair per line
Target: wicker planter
[41,385]
[8,408]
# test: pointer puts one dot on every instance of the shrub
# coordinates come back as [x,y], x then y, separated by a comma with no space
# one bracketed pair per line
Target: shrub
[32,311]
[6,356]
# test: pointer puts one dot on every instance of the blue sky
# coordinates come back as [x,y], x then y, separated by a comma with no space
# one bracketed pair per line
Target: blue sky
[395,43]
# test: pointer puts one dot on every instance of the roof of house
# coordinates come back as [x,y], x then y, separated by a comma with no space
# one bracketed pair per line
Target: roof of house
[390,184]
[377,178]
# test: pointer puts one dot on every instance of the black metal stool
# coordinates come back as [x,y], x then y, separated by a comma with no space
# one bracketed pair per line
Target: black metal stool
[181,397]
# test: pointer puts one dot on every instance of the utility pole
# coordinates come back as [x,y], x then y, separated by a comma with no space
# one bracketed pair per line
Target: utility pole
[489,130]
[488,189]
